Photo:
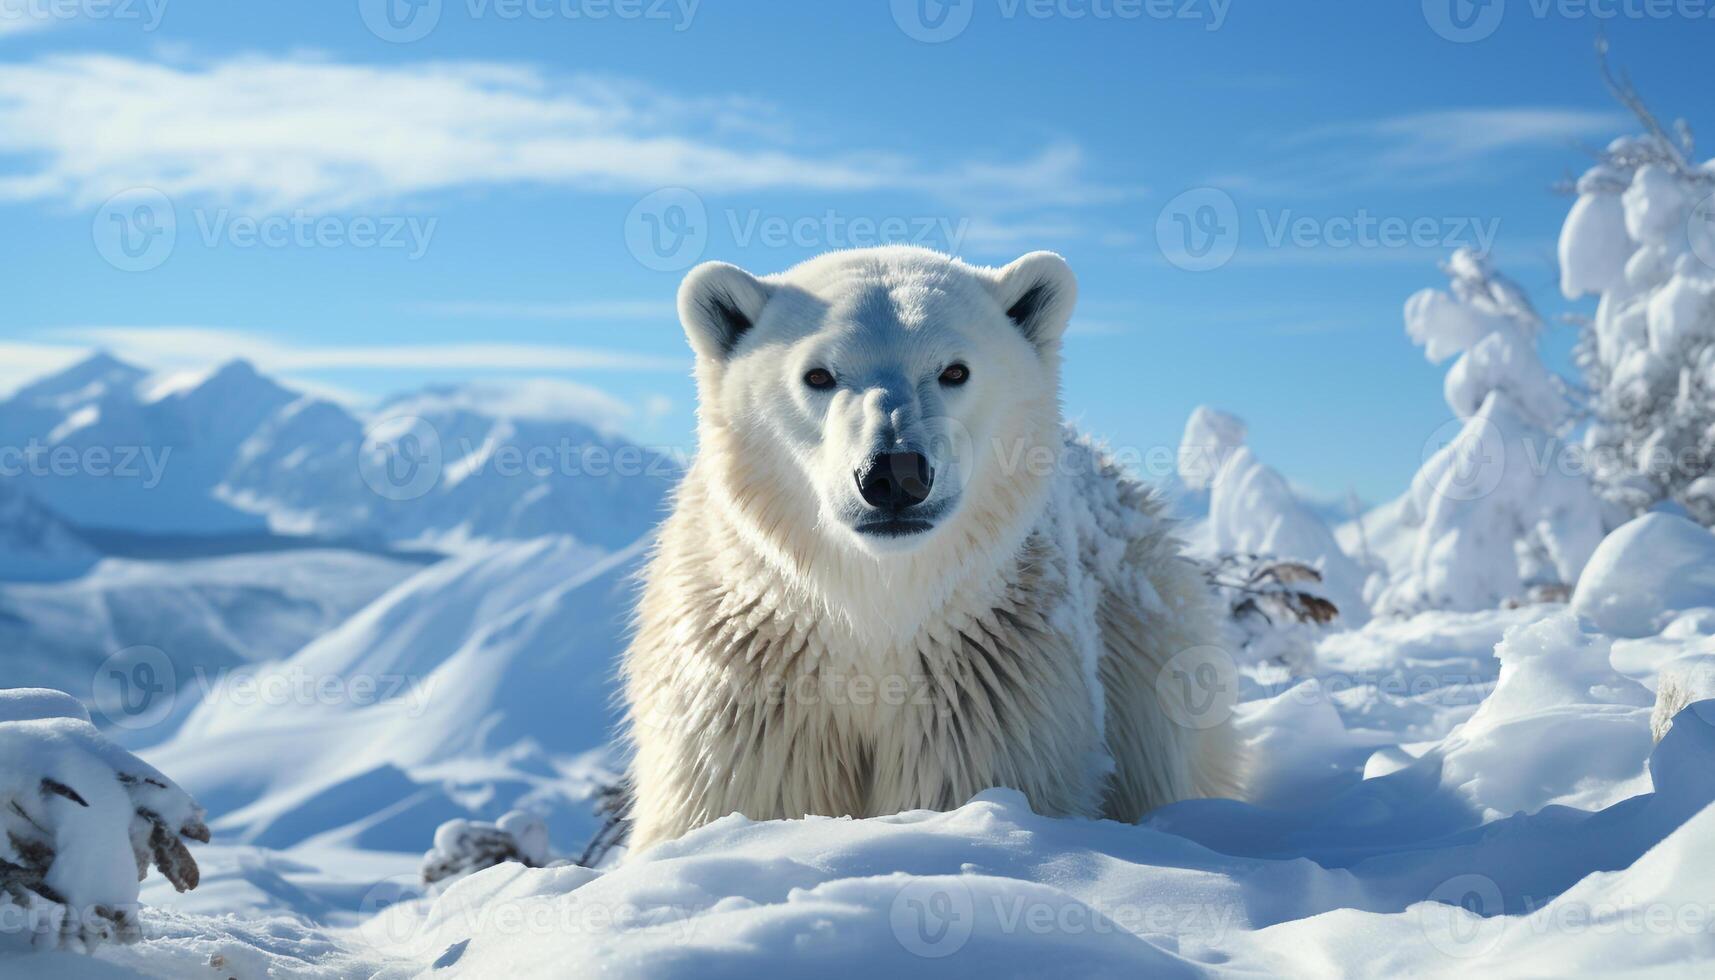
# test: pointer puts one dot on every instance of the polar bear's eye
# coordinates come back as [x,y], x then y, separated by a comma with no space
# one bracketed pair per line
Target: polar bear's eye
[955,375]
[819,379]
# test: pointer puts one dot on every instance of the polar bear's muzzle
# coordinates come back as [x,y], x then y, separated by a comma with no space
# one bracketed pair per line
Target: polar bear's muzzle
[895,485]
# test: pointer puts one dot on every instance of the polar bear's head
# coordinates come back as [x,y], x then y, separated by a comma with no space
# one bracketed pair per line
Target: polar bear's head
[883,397]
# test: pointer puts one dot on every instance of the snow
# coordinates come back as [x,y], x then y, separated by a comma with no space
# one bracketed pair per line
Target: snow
[482,684]
[197,618]
[1649,354]
[1500,761]
[1496,512]
[1254,511]
[1479,502]
[1647,574]
[1594,246]
[78,818]
[1211,437]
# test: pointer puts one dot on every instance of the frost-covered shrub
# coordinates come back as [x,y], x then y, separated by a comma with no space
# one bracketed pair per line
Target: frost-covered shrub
[1641,235]
[1275,607]
[1274,563]
[1253,511]
[463,847]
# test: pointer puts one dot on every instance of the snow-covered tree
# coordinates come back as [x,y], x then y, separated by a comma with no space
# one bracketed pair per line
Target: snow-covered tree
[1495,514]
[1642,236]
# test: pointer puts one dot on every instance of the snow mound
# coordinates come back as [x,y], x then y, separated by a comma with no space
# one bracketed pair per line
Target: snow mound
[1647,573]
[993,889]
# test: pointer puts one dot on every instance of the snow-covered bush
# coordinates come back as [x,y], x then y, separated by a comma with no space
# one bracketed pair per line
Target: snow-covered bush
[1275,607]
[1274,562]
[81,821]
[1253,511]
[466,846]
[1641,235]
[1494,515]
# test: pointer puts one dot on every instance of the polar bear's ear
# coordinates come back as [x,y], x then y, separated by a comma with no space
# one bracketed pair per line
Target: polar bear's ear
[1038,292]
[718,303]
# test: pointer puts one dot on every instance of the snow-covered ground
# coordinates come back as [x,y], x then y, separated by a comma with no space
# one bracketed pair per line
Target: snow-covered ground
[1453,792]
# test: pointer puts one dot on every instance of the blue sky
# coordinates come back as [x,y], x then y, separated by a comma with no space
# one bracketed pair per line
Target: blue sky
[517,191]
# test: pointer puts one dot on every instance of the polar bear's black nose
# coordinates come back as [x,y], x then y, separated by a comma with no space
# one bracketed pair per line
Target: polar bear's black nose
[895,481]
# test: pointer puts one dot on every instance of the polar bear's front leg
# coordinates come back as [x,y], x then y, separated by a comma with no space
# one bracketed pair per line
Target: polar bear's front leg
[766,746]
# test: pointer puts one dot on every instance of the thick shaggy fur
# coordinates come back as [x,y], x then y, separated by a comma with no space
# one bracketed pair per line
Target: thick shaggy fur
[786,665]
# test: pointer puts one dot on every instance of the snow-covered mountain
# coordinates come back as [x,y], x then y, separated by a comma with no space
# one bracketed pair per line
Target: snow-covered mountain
[107,445]
[484,465]
[482,683]
[183,622]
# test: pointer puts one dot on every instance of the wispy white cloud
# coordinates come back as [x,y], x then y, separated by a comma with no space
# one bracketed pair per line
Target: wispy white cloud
[201,347]
[1418,149]
[298,131]
[601,310]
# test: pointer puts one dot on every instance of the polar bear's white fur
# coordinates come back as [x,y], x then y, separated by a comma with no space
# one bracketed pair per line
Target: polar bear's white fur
[801,650]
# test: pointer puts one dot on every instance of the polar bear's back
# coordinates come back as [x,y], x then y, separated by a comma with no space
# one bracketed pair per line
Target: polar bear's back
[1163,716]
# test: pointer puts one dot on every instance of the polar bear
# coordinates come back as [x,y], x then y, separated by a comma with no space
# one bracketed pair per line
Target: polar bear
[892,578]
